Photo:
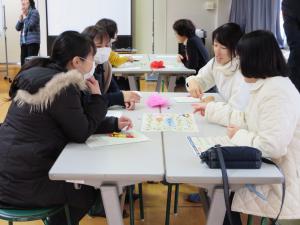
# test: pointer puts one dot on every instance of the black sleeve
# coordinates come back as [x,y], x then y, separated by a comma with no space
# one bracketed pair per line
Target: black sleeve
[113,95]
[19,25]
[113,87]
[196,58]
[108,125]
[76,121]
[114,98]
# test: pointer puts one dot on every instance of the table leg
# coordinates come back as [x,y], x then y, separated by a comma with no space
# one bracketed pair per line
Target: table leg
[132,83]
[217,208]
[172,83]
[110,198]
[158,84]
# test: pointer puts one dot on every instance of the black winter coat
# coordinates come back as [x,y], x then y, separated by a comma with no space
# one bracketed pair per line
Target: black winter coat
[46,113]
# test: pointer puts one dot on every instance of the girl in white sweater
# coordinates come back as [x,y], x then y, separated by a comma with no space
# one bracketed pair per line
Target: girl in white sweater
[270,123]
[222,71]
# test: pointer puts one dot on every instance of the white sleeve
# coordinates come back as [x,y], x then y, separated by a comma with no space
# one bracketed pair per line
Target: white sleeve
[223,113]
[204,78]
[231,112]
[277,122]
[240,93]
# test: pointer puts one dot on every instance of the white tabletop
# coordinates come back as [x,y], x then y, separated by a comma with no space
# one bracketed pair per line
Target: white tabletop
[140,66]
[117,164]
[183,166]
[172,66]
[143,65]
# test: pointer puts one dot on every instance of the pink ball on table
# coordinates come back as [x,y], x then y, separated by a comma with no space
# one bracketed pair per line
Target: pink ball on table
[156,100]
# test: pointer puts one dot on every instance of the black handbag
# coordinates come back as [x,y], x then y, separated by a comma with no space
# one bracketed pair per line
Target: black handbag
[236,157]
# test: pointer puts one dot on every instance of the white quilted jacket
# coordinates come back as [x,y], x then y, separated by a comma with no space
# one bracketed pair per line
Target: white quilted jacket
[229,81]
[271,123]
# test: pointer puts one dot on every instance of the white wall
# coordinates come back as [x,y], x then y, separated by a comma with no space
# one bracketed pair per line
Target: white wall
[13,11]
[193,10]
[166,12]
[13,46]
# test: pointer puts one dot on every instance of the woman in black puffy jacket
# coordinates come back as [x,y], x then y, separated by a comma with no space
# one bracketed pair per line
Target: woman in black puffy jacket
[46,113]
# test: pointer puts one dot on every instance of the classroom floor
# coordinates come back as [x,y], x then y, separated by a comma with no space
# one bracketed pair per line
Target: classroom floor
[154,194]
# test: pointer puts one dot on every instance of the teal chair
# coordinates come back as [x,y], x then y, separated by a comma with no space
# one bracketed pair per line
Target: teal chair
[26,215]
[263,221]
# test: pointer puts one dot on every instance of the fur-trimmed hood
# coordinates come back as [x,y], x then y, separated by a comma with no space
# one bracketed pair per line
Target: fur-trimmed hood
[45,95]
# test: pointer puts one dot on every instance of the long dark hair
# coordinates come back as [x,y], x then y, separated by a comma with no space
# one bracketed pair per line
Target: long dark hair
[66,46]
[32,4]
[228,35]
[260,55]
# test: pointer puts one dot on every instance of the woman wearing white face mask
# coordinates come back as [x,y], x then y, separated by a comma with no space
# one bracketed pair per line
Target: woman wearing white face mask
[103,73]
[112,29]
[46,113]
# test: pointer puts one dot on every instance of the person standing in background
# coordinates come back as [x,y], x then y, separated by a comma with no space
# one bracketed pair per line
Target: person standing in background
[29,27]
[291,17]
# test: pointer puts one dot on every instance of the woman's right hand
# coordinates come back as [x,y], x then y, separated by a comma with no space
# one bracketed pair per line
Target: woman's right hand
[194,89]
[179,58]
[124,122]
[200,108]
[130,59]
[131,96]
[93,86]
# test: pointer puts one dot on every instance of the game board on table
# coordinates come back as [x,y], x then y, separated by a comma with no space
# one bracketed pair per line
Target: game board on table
[184,122]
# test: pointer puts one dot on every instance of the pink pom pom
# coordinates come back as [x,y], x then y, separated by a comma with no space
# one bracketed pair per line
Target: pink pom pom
[155,100]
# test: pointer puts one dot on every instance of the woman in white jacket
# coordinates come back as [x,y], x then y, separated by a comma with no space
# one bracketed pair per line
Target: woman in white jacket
[271,123]
[222,71]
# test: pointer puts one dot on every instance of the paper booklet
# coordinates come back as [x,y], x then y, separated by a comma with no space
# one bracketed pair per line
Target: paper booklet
[116,138]
[201,144]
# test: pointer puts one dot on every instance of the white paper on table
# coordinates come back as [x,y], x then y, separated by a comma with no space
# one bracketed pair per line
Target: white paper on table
[99,140]
[165,57]
[114,113]
[128,67]
[137,57]
[201,144]
[186,99]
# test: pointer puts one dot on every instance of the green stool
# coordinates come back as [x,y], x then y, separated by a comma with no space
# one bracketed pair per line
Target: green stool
[263,221]
[25,215]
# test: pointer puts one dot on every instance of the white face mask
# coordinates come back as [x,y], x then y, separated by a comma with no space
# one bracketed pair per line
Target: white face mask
[102,55]
[91,73]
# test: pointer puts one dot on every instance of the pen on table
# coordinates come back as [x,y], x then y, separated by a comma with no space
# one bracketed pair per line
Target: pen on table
[192,144]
